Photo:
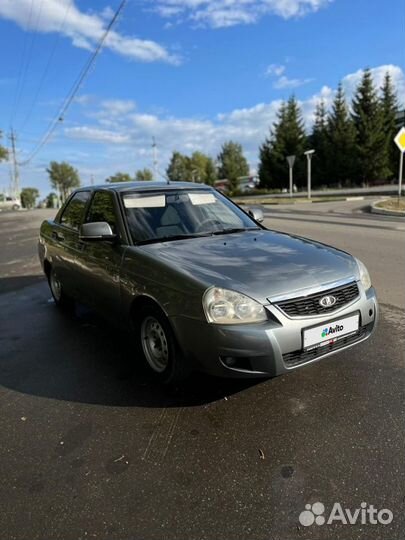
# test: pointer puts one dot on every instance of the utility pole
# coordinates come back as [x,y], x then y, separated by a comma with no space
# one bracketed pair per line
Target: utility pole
[155,158]
[16,176]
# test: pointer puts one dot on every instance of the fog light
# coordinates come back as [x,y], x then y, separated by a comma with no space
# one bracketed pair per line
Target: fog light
[229,361]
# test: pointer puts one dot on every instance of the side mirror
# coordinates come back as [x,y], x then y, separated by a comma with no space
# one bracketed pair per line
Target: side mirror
[256,214]
[98,230]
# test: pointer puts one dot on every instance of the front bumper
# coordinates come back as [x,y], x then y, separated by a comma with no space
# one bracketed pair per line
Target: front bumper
[271,348]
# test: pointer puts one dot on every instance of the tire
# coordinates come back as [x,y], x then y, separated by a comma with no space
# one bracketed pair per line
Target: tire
[159,347]
[15,207]
[58,294]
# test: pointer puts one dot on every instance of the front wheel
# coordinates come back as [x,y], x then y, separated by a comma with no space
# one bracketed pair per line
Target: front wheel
[159,346]
[58,293]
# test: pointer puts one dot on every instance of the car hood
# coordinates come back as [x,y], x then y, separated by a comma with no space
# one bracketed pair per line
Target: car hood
[262,264]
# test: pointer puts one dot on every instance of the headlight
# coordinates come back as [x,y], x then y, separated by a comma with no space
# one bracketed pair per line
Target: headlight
[228,307]
[364,275]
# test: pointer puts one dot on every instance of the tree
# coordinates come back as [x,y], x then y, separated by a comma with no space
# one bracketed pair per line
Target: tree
[318,141]
[51,200]
[3,151]
[287,137]
[202,168]
[119,177]
[211,173]
[341,142]
[197,168]
[389,105]
[178,168]
[232,163]
[370,137]
[28,197]
[143,175]
[63,177]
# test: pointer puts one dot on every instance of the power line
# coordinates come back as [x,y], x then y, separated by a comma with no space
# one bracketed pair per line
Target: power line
[30,54]
[75,87]
[20,71]
[47,66]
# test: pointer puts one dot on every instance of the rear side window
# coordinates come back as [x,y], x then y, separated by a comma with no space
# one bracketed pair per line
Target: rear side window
[102,209]
[73,214]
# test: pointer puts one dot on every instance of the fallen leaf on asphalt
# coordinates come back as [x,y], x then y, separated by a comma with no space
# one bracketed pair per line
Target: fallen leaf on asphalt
[23,418]
[261,453]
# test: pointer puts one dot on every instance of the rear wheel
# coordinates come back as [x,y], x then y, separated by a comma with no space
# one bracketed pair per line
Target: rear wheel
[58,294]
[159,346]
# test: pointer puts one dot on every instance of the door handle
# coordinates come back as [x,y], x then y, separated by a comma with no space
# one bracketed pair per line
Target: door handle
[58,236]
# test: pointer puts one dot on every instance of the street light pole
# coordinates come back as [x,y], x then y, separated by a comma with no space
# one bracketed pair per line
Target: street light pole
[309,154]
[291,160]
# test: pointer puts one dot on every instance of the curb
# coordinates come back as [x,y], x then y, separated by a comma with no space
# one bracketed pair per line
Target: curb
[382,211]
[296,201]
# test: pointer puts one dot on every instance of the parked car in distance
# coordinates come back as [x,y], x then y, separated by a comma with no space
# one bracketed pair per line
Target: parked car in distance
[9,203]
[203,284]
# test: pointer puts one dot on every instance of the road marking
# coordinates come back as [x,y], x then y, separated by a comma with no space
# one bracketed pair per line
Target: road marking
[162,436]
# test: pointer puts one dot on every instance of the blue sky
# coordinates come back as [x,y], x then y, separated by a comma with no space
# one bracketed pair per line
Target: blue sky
[192,73]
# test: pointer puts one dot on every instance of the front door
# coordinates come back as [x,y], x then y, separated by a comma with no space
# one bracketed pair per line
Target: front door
[100,261]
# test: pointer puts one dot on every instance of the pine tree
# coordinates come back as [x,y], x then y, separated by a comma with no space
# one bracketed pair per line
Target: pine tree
[267,163]
[286,138]
[389,105]
[319,142]
[370,137]
[340,143]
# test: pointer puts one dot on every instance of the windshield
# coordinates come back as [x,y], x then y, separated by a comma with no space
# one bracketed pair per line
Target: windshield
[161,216]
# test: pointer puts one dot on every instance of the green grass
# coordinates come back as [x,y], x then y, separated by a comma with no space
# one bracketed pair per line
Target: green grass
[394,203]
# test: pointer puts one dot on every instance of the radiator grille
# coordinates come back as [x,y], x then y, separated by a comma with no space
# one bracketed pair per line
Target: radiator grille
[309,305]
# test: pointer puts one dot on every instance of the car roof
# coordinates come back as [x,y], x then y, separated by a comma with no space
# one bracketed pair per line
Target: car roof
[146,186]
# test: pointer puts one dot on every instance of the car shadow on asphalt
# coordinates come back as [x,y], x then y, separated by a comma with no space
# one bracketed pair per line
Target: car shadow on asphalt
[79,357]
[13,283]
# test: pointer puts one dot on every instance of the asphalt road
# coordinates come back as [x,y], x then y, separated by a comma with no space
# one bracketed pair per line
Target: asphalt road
[90,447]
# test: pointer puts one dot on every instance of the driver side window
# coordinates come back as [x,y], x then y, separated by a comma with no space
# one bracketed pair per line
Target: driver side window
[102,209]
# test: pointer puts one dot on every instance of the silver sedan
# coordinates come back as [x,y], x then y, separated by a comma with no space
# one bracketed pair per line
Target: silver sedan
[203,284]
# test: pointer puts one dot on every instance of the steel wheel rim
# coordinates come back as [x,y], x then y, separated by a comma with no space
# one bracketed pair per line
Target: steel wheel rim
[154,344]
[56,287]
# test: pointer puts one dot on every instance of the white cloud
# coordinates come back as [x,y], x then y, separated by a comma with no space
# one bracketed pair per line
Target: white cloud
[274,69]
[351,81]
[224,13]
[96,134]
[282,81]
[117,107]
[84,29]
[285,82]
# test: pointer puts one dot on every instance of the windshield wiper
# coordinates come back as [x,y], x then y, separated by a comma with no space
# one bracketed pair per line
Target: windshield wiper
[236,230]
[172,238]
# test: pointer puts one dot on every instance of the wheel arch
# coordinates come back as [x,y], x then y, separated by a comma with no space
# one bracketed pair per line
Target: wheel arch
[142,301]
[47,267]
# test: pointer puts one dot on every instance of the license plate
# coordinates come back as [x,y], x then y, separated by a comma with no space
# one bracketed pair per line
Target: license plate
[330,332]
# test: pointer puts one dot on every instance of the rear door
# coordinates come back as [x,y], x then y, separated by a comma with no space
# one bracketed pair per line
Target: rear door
[100,261]
[65,239]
